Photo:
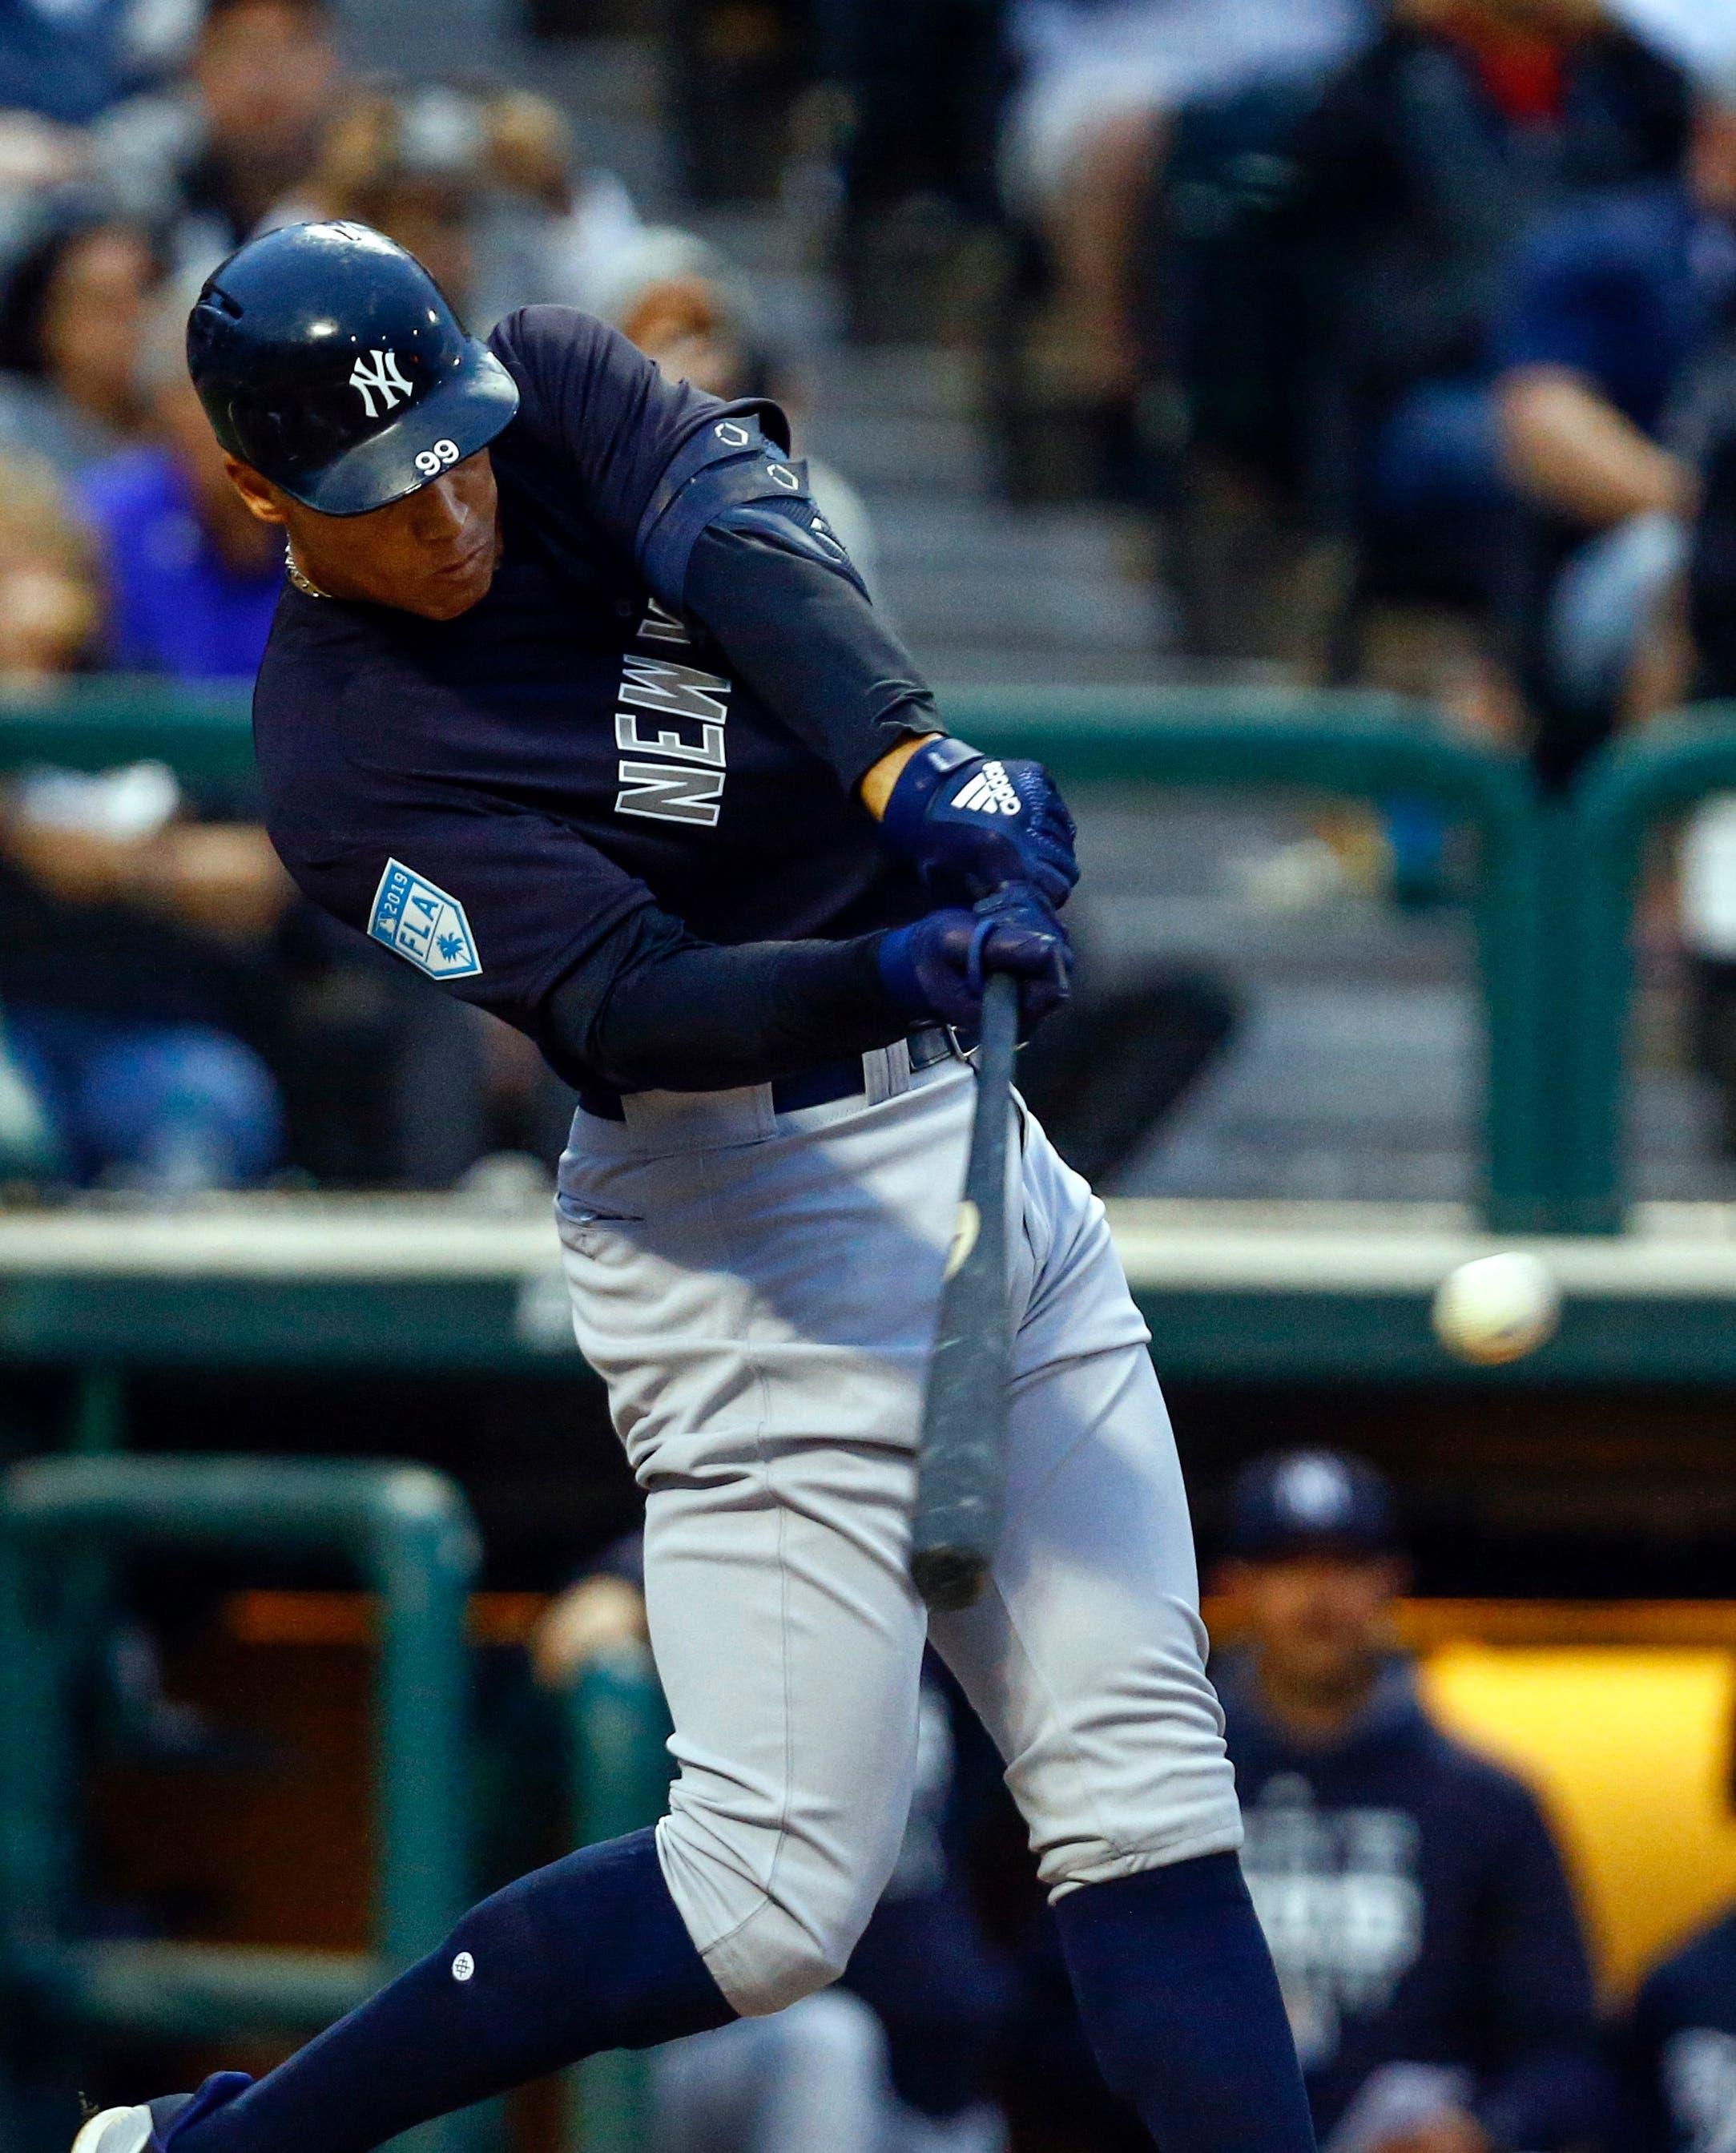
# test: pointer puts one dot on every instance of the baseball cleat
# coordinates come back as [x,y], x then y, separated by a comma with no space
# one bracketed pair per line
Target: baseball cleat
[153,2126]
[116,2131]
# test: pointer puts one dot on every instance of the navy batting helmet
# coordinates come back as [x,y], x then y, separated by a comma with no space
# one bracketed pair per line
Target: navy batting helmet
[327,358]
[1296,1500]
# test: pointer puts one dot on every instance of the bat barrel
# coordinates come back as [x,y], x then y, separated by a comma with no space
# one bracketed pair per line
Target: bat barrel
[962,1469]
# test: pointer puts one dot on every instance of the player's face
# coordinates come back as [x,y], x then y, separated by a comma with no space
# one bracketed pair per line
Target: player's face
[432,554]
[1318,1621]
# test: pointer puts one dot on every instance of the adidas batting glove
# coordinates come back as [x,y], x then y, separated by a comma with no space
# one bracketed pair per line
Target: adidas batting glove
[971,824]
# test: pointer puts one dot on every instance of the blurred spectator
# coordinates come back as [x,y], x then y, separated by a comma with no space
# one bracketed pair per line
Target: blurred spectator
[584,219]
[1467,123]
[1415,1906]
[1615,348]
[193,577]
[487,192]
[124,929]
[50,604]
[70,62]
[411,166]
[71,315]
[909,2074]
[894,158]
[1699,35]
[1084,137]
[1678,2050]
[234,147]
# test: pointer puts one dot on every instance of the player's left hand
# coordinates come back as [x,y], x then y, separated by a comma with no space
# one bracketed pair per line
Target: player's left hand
[936,966]
[971,823]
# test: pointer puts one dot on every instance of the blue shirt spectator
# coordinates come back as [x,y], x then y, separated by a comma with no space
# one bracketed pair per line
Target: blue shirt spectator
[180,605]
[1679,2050]
[71,309]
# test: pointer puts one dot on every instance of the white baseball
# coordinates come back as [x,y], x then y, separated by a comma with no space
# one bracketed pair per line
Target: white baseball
[1497,1309]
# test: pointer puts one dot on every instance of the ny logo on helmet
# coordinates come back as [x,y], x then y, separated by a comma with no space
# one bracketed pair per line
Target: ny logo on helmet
[384,375]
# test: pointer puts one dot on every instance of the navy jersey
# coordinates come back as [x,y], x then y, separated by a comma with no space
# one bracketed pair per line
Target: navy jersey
[1417,1913]
[493,796]
[1680,2050]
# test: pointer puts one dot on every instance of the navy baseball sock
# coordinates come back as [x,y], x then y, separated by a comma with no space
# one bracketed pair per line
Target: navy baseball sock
[587,1954]
[1181,2005]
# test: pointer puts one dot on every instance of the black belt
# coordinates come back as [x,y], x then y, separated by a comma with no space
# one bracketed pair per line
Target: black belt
[818,1087]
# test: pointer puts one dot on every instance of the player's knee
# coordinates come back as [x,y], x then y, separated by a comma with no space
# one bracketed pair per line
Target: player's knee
[768,1944]
[776,1912]
[778,1956]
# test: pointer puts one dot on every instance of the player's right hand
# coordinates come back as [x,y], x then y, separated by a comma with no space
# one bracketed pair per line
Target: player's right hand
[936,966]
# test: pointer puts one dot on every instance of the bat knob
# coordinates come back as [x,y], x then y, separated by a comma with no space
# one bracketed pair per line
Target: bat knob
[948,1578]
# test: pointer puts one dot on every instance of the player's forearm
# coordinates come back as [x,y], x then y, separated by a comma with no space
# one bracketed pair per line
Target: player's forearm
[655,1010]
[808,642]
[1571,450]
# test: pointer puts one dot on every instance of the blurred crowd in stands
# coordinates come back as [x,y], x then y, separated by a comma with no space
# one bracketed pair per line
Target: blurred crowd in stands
[177,1018]
[1406,329]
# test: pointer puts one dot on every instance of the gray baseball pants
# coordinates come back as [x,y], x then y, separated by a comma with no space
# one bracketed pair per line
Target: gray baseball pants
[759,1291]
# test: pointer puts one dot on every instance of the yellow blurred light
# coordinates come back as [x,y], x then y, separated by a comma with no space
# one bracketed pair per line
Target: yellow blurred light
[1629,1747]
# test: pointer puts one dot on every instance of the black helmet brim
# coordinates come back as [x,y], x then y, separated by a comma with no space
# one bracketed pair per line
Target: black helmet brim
[474,404]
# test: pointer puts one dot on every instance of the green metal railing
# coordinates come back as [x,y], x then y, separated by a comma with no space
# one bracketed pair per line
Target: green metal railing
[618,1727]
[1363,747]
[204,735]
[1632,787]
[407,1533]
[1346,746]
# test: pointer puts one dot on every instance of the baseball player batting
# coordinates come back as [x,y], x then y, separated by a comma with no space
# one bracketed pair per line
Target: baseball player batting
[576,704]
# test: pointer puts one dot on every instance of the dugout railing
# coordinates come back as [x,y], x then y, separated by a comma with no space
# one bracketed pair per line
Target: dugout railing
[1354,746]
[1633,787]
[406,1533]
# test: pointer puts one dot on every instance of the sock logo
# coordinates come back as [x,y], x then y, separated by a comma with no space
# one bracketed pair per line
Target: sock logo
[463,1966]
[990,792]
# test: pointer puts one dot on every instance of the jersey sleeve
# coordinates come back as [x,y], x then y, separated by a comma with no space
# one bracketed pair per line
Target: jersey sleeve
[607,414]
[496,904]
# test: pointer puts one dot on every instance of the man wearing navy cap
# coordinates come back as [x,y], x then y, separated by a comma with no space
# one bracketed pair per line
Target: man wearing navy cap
[1424,1931]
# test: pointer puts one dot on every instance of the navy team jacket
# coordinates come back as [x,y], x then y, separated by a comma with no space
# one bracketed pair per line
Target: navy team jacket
[1419,1912]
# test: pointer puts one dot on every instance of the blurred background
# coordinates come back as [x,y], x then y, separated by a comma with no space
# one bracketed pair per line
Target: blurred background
[1310,425]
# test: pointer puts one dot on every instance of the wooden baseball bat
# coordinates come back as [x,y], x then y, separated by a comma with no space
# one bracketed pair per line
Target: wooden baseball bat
[961,1477]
